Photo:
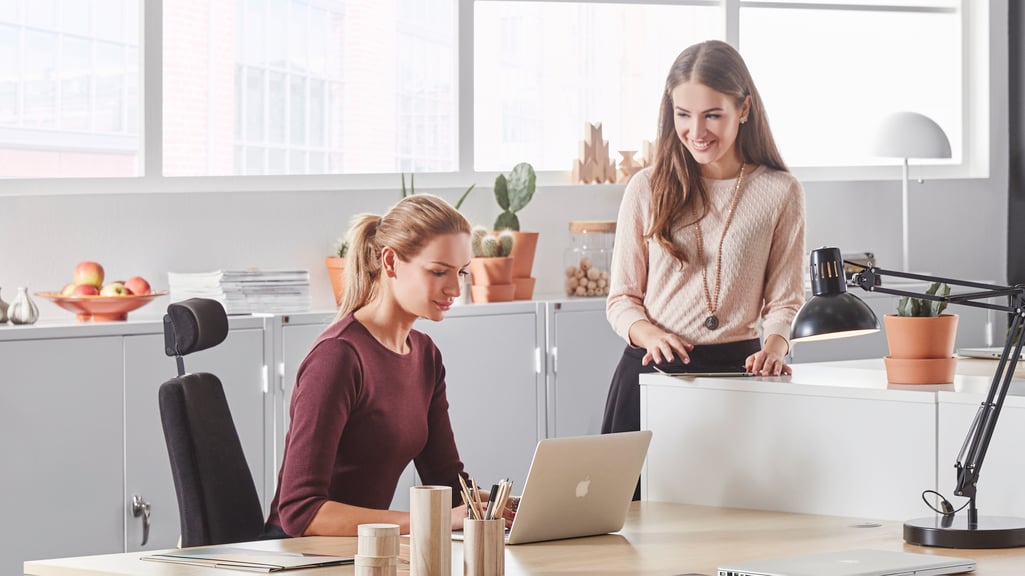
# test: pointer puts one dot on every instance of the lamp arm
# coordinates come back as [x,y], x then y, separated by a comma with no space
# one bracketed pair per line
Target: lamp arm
[870,279]
[973,451]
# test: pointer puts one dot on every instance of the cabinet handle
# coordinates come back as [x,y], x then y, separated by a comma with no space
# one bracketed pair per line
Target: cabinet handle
[141,507]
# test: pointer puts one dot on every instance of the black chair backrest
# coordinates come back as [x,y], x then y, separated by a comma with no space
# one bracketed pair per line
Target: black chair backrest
[217,499]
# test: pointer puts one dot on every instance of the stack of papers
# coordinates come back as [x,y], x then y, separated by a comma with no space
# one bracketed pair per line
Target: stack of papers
[245,291]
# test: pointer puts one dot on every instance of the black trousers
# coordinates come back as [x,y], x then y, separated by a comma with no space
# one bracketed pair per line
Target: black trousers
[623,405]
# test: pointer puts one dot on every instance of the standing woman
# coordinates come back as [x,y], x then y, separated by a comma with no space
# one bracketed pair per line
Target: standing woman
[370,395]
[709,240]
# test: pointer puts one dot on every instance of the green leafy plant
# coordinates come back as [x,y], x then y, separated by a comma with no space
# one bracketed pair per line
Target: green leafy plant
[487,245]
[412,191]
[513,193]
[920,307]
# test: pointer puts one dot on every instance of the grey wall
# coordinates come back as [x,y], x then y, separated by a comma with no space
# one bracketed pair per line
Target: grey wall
[958,227]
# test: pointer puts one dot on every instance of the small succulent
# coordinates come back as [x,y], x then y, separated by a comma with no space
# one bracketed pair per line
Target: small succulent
[920,307]
[341,248]
[487,245]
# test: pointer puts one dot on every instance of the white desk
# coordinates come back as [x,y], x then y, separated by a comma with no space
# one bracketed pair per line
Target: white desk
[834,438]
[659,539]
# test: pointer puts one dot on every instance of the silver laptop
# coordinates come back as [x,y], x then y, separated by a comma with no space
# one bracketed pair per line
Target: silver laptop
[578,486]
[989,353]
[853,563]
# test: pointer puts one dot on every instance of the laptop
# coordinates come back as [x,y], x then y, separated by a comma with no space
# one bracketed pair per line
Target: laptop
[853,563]
[989,353]
[578,486]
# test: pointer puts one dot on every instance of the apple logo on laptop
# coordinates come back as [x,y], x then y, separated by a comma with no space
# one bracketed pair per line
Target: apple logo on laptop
[583,486]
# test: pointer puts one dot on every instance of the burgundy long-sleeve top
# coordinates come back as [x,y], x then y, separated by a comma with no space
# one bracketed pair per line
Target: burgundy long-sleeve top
[359,414]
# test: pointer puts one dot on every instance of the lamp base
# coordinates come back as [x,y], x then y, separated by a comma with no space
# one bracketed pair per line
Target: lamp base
[990,532]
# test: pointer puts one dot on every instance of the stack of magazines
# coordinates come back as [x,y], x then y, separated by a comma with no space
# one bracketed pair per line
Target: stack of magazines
[245,291]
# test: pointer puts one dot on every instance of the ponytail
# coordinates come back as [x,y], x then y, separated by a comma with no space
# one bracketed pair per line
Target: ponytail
[363,265]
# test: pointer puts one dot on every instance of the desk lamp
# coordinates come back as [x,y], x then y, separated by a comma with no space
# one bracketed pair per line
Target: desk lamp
[910,135]
[832,312]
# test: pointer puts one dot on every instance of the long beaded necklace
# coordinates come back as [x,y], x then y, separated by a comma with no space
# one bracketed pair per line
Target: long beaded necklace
[712,302]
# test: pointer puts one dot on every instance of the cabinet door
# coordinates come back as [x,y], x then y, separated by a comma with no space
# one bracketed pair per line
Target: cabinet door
[495,390]
[60,417]
[239,363]
[584,352]
[296,340]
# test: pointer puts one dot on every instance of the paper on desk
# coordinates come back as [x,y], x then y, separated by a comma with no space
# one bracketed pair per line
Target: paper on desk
[249,560]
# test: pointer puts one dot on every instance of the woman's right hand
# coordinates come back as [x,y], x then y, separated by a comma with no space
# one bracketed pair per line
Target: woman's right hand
[458,516]
[660,346]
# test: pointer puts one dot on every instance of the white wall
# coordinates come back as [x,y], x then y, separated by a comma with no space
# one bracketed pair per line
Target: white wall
[958,227]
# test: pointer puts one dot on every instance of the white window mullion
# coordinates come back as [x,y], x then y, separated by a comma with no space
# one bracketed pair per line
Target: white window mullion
[152,56]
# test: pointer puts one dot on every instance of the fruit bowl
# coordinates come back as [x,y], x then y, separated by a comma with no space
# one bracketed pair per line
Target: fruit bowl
[100,308]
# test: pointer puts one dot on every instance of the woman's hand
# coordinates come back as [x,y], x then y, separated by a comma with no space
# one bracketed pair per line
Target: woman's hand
[458,516]
[769,360]
[661,346]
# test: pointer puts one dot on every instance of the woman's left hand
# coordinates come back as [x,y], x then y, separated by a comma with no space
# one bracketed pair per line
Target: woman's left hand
[769,361]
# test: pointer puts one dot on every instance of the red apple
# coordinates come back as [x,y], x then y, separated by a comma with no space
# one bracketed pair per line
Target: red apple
[89,273]
[137,285]
[86,290]
[115,289]
[68,290]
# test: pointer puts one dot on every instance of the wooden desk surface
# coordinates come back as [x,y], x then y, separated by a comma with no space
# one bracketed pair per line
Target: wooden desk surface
[659,539]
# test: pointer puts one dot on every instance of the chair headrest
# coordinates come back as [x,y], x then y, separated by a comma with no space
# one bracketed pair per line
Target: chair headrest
[193,325]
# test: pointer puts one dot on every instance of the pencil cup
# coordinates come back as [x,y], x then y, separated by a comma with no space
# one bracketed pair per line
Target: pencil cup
[484,547]
[375,565]
[430,531]
[377,539]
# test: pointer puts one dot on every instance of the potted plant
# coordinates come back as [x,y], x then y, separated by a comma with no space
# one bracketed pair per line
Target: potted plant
[491,267]
[336,269]
[921,340]
[512,193]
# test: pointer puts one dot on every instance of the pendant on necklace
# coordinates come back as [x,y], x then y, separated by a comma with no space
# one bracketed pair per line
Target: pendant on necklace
[711,322]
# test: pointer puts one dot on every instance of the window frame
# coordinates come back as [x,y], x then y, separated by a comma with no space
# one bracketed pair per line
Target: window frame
[976,117]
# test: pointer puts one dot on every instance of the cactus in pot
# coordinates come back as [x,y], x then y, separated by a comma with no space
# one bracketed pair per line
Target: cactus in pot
[486,245]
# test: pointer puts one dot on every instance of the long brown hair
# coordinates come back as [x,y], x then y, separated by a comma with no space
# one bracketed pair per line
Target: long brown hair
[406,228]
[676,175]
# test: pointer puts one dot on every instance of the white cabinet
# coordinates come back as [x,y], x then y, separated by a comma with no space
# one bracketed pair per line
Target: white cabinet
[60,417]
[583,352]
[81,402]
[493,364]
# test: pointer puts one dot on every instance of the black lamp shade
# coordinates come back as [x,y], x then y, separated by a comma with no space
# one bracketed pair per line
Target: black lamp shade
[832,312]
[833,316]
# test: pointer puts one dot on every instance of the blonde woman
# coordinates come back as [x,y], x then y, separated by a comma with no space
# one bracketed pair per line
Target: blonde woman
[370,395]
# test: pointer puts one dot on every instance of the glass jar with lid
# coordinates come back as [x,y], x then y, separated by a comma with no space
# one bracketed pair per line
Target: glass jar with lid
[588,260]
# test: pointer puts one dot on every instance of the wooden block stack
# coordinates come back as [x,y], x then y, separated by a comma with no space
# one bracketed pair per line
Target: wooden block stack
[647,154]
[627,166]
[594,164]
[377,550]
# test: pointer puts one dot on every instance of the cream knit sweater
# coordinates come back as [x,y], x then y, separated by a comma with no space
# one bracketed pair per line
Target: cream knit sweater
[763,262]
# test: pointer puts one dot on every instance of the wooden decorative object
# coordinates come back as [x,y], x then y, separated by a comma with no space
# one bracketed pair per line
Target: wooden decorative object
[647,153]
[627,166]
[594,164]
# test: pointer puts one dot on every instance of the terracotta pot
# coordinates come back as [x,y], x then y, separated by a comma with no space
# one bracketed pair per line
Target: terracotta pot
[493,293]
[524,248]
[920,370]
[489,271]
[914,337]
[336,271]
[921,349]
[524,288]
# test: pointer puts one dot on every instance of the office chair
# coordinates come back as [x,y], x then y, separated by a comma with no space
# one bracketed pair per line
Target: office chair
[217,499]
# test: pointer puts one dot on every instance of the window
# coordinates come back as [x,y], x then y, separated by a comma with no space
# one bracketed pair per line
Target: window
[69,88]
[309,87]
[367,89]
